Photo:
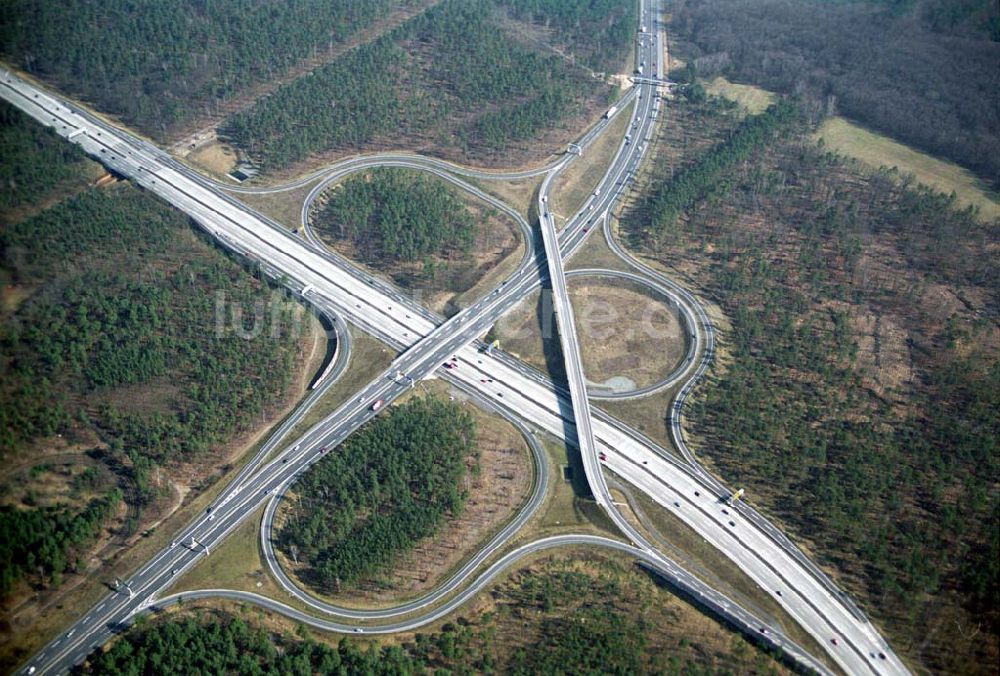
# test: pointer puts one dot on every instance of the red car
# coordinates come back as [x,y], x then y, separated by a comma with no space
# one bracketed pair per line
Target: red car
[378,404]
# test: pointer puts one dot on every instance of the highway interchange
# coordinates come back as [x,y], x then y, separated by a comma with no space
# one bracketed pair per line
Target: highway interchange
[425,341]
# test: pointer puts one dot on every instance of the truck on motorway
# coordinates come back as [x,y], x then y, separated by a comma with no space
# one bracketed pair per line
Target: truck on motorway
[611,111]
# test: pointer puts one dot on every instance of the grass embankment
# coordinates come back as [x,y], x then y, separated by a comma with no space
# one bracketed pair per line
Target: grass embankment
[576,183]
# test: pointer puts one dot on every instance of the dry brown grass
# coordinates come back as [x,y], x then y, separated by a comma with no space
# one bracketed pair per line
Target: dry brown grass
[235,564]
[876,150]
[623,332]
[519,193]
[754,99]
[495,493]
[217,158]
[284,207]
[596,253]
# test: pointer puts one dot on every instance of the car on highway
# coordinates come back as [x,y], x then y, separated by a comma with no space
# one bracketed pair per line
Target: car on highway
[603,456]
[834,641]
[378,404]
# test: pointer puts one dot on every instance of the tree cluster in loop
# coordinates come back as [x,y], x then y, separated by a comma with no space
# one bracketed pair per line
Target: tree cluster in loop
[390,484]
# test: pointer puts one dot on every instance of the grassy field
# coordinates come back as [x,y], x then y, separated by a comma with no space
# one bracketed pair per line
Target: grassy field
[520,193]
[284,207]
[235,564]
[754,99]
[624,332]
[216,158]
[876,150]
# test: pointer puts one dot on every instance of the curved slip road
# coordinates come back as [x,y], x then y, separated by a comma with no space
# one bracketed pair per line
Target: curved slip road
[379,308]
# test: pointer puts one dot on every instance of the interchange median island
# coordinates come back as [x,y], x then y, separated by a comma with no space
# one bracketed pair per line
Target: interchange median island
[450,349]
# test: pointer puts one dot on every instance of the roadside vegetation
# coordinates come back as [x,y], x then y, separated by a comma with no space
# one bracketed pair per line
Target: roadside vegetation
[194,54]
[588,615]
[858,397]
[924,72]
[112,355]
[35,160]
[451,79]
[392,483]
